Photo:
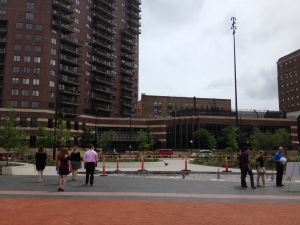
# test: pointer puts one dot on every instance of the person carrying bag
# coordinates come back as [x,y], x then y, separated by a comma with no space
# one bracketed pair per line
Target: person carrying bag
[260,169]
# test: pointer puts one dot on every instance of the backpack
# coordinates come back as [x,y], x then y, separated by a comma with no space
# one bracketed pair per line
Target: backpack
[238,160]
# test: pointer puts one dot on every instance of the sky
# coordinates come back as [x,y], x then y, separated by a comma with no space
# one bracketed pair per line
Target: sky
[186,48]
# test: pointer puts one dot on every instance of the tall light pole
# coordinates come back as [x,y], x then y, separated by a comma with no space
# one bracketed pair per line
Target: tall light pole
[130,136]
[96,127]
[233,28]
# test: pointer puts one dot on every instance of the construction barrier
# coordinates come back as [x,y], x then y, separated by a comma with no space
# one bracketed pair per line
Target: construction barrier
[117,170]
[103,168]
[226,165]
[185,164]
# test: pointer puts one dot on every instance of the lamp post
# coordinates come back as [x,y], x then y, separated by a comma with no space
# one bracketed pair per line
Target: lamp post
[233,28]
[130,136]
[96,127]
[191,145]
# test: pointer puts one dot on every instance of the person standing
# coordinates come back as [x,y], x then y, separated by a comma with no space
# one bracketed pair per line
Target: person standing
[246,168]
[90,164]
[40,160]
[75,162]
[63,168]
[259,165]
[279,167]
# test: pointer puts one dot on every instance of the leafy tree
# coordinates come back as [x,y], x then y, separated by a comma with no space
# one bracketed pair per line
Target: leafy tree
[22,145]
[146,139]
[232,144]
[106,139]
[282,137]
[9,133]
[62,134]
[261,140]
[87,135]
[44,137]
[206,137]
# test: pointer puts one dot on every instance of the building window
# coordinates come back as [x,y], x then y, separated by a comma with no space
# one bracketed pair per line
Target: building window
[35,92]
[16,69]
[36,70]
[38,37]
[155,103]
[53,51]
[14,91]
[19,25]
[2,11]
[52,73]
[28,37]
[25,92]
[14,103]
[50,123]
[89,18]
[51,105]
[17,58]
[26,58]
[37,59]
[27,47]
[51,94]
[29,26]
[38,48]
[76,20]
[30,5]
[33,122]
[155,111]
[18,36]
[53,41]
[15,80]
[23,122]
[34,104]
[24,104]
[52,62]
[17,47]
[25,81]
[51,83]
[39,27]
[35,81]
[54,31]
[29,16]
[26,70]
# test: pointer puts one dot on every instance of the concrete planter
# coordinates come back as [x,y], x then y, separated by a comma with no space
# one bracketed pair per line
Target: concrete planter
[132,164]
[18,169]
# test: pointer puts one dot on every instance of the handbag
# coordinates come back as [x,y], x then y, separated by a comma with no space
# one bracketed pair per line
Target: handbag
[261,169]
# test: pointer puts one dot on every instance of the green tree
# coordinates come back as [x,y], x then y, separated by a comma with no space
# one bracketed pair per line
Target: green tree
[232,144]
[62,134]
[146,139]
[261,140]
[86,136]
[44,137]
[22,145]
[282,137]
[9,133]
[106,139]
[206,138]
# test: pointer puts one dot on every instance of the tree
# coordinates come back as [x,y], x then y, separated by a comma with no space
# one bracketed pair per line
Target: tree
[87,135]
[232,144]
[44,137]
[261,140]
[106,139]
[206,137]
[9,133]
[22,145]
[62,133]
[282,137]
[146,139]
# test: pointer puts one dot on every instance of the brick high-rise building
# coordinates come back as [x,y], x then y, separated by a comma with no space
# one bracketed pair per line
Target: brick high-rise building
[84,53]
[288,68]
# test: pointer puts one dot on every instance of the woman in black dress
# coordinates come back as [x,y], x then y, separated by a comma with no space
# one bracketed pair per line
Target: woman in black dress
[259,165]
[40,161]
[63,168]
[75,162]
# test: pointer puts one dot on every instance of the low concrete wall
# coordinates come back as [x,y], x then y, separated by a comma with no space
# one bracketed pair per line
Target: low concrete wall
[131,164]
[19,169]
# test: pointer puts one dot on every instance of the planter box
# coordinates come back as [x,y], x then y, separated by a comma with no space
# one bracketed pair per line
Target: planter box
[132,164]
[19,169]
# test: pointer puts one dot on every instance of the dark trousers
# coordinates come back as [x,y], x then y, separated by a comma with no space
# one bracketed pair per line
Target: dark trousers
[89,172]
[246,170]
[279,174]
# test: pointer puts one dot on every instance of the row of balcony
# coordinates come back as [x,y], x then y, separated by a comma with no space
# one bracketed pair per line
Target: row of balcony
[134,14]
[70,49]
[2,50]
[1,72]
[128,72]
[64,17]
[104,54]
[102,107]
[73,91]
[128,79]
[135,7]
[69,80]
[129,49]
[104,89]
[104,71]
[108,3]
[2,39]
[107,21]
[135,22]
[71,40]
[107,9]
[128,112]
[139,2]
[64,27]
[127,87]
[70,59]
[129,41]
[104,44]
[127,104]
[129,33]
[104,62]
[128,57]
[67,100]
[3,28]
[2,60]
[65,5]
[68,111]
[103,26]
[101,34]
[135,30]
[103,80]
[128,96]
[70,70]
[129,64]
[101,97]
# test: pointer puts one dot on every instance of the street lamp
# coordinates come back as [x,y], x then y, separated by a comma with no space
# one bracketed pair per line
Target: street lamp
[233,28]
[191,145]
[130,136]
[96,127]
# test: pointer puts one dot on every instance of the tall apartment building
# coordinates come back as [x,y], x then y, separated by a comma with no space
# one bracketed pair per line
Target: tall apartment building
[81,53]
[160,106]
[289,82]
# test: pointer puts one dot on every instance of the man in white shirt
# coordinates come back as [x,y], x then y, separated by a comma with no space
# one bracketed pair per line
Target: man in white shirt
[90,164]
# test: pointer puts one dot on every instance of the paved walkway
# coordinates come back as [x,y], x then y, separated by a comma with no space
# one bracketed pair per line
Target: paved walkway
[142,200]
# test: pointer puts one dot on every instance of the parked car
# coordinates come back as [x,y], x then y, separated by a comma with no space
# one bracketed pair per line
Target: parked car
[111,152]
[201,153]
[165,152]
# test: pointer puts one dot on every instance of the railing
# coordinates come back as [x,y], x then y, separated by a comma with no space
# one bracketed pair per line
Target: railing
[101,24]
[127,95]
[104,35]
[69,100]
[128,79]
[102,79]
[129,87]
[129,64]
[70,38]
[108,72]
[68,89]
[101,106]
[70,48]
[2,60]
[69,111]
[129,40]
[103,88]
[3,27]
[70,58]
[135,28]
[129,56]
[1,72]
[129,33]
[134,13]
[136,21]
[129,48]
[101,6]
[95,40]
[97,96]
[128,71]
[3,39]
[125,111]
[67,26]
[2,50]
[108,3]
[64,4]
[106,19]
[108,63]
[66,78]
[69,68]
[98,50]
[128,104]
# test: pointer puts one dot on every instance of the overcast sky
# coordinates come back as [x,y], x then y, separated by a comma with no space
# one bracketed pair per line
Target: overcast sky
[186,48]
